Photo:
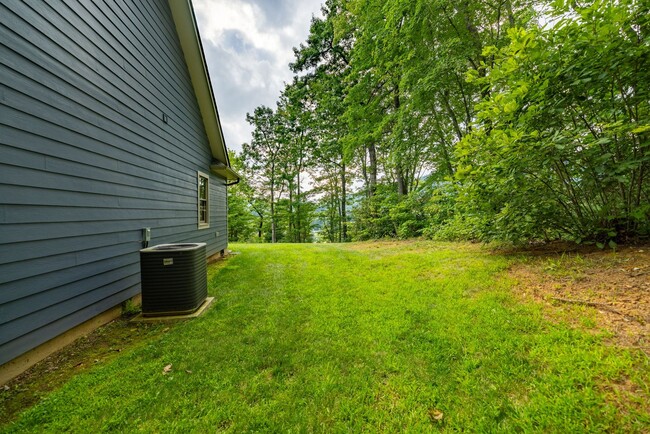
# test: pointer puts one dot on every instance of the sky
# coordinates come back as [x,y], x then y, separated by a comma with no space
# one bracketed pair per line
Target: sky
[248,46]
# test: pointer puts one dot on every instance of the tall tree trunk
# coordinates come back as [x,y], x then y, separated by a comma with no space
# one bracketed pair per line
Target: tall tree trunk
[291,216]
[299,217]
[511,16]
[344,218]
[372,172]
[450,111]
[474,34]
[364,171]
[402,186]
[273,239]
[444,146]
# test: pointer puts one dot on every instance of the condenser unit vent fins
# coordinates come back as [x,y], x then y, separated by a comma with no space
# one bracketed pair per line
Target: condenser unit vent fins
[174,279]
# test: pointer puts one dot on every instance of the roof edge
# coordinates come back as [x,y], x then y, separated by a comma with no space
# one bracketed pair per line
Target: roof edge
[223,171]
[188,34]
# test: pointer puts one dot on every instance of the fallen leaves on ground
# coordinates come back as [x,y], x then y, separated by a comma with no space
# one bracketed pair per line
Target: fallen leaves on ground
[435,415]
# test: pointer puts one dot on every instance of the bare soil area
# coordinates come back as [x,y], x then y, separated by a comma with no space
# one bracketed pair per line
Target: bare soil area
[615,285]
[596,291]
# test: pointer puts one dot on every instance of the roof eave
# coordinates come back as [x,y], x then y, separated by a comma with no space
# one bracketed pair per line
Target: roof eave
[188,34]
[223,171]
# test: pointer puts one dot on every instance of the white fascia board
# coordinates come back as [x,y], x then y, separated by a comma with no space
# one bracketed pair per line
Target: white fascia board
[188,35]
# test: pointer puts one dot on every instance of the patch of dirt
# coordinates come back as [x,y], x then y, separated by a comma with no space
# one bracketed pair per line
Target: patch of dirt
[96,348]
[615,285]
[595,290]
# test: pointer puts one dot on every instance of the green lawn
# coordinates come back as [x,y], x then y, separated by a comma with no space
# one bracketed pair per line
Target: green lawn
[366,337]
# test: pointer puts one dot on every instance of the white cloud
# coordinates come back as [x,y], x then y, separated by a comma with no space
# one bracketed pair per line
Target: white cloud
[248,46]
[221,16]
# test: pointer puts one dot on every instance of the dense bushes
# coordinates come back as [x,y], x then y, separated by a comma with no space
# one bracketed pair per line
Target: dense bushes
[561,145]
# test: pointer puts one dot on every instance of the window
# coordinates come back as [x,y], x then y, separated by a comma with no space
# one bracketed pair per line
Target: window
[204,201]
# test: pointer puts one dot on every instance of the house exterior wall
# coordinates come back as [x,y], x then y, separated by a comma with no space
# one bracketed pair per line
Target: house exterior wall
[100,137]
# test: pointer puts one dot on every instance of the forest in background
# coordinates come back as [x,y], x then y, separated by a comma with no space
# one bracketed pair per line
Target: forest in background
[490,120]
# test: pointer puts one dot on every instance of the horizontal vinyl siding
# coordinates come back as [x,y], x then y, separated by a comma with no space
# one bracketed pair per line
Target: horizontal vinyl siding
[219,217]
[86,160]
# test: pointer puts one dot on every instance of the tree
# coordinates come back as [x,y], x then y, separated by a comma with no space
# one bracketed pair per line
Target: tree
[264,154]
[322,65]
[560,148]
[462,119]
[296,129]
[241,205]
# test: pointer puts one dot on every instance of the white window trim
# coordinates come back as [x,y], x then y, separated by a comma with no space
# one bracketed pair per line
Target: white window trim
[202,225]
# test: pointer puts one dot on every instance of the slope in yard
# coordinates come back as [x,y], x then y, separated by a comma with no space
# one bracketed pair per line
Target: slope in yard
[372,337]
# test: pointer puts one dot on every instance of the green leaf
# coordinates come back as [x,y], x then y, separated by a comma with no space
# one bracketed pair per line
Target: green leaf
[641,129]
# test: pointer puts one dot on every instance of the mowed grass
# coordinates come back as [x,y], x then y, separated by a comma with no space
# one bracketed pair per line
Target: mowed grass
[370,337]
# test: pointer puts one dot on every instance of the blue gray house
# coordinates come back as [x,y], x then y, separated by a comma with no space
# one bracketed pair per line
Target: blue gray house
[108,125]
